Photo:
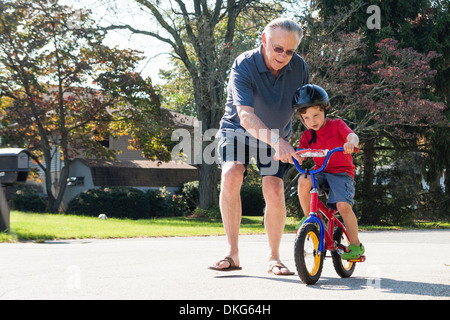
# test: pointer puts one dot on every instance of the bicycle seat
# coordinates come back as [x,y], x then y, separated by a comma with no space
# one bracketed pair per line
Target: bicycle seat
[324,191]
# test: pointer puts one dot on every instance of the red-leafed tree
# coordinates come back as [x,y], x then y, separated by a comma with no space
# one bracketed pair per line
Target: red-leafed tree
[384,101]
[398,91]
[393,98]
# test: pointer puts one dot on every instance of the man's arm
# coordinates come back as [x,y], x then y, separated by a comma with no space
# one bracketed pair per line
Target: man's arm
[253,124]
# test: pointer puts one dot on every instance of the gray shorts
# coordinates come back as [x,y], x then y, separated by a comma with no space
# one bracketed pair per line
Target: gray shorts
[233,149]
[341,187]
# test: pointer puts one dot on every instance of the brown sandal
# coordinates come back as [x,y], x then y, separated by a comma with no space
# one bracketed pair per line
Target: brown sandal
[279,265]
[232,266]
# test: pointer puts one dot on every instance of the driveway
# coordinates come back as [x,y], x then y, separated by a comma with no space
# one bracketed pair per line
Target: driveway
[400,265]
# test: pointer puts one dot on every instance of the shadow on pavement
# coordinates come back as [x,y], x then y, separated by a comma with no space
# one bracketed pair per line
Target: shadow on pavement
[357,283]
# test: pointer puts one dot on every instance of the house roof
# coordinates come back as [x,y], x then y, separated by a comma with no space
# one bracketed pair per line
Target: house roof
[143,164]
[182,120]
[139,173]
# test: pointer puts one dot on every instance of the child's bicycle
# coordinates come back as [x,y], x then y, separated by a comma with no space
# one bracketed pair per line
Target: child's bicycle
[314,237]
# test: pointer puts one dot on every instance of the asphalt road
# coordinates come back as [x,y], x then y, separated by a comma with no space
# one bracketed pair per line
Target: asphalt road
[400,265]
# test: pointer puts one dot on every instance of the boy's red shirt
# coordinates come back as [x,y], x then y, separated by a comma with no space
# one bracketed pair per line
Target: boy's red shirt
[332,135]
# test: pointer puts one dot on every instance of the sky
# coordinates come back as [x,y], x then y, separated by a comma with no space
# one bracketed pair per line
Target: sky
[128,12]
[120,12]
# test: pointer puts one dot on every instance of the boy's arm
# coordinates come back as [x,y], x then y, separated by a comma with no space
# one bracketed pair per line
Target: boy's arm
[352,142]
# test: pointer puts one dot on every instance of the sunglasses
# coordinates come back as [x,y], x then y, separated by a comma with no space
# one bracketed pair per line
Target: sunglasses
[289,53]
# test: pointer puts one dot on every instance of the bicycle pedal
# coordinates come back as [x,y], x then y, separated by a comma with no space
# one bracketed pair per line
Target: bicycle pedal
[361,259]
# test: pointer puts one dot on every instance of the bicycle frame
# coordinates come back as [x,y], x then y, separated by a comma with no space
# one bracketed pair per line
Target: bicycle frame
[326,241]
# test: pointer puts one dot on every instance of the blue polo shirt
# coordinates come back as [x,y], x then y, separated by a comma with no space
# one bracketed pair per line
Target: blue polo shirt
[252,84]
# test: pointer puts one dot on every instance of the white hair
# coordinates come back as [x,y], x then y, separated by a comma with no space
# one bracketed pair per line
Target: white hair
[285,24]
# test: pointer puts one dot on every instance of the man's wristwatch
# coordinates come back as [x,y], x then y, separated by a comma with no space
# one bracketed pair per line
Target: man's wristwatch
[274,139]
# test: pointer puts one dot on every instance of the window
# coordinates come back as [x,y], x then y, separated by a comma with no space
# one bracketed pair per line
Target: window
[75,182]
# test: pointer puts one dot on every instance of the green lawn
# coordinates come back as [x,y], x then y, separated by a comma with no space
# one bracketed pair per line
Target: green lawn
[41,227]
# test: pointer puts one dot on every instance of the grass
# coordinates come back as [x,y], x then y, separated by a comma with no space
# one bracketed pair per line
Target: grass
[42,227]
[417,225]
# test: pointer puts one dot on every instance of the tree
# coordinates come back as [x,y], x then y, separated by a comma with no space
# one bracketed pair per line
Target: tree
[46,62]
[203,37]
[420,24]
[385,88]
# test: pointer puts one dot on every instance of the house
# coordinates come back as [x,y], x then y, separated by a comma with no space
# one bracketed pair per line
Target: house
[140,174]
[130,169]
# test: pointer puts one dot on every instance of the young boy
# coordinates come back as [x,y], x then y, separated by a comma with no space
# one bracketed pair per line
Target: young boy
[311,103]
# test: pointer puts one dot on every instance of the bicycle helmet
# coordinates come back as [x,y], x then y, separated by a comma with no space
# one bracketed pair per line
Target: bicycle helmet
[310,95]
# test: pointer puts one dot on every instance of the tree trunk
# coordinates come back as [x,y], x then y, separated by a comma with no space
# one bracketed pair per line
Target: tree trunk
[208,179]
[210,99]
[208,172]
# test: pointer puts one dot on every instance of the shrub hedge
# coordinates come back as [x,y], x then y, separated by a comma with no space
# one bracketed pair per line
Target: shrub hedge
[132,203]
[251,196]
[120,202]
[28,200]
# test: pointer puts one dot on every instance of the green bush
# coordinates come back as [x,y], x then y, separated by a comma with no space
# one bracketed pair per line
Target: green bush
[212,213]
[29,200]
[393,199]
[157,203]
[434,206]
[293,207]
[165,204]
[115,202]
[131,203]
[253,202]
[191,194]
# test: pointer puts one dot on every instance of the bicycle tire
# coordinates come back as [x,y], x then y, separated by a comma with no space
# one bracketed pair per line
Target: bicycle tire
[343,268]
[308,262]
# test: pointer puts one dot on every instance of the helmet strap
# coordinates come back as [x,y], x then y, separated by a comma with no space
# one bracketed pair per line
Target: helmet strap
[313,137]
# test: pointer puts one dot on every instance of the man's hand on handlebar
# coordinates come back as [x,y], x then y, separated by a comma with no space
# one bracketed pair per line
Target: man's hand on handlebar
[285,152]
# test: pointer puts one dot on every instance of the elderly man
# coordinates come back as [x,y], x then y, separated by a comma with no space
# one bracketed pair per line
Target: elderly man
[258,123]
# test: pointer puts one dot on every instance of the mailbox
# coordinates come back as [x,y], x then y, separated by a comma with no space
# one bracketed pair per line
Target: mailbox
[14,168]
[14,165]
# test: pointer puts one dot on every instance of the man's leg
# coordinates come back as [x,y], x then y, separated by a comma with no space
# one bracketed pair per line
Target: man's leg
[274,218]
[231,209]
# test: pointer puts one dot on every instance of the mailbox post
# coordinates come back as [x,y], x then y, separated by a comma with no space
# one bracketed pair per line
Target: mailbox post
[14,168]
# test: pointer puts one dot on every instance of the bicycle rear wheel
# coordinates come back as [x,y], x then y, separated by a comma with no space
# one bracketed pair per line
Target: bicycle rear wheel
[308,262]
[343,268]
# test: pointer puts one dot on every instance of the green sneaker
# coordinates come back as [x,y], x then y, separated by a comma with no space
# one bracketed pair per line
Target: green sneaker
[354,253]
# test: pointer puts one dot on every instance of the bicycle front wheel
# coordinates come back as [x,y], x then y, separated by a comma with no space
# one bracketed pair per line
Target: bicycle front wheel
[308,261]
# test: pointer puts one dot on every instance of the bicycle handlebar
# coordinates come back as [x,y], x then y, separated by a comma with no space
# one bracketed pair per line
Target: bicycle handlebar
[308,153]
